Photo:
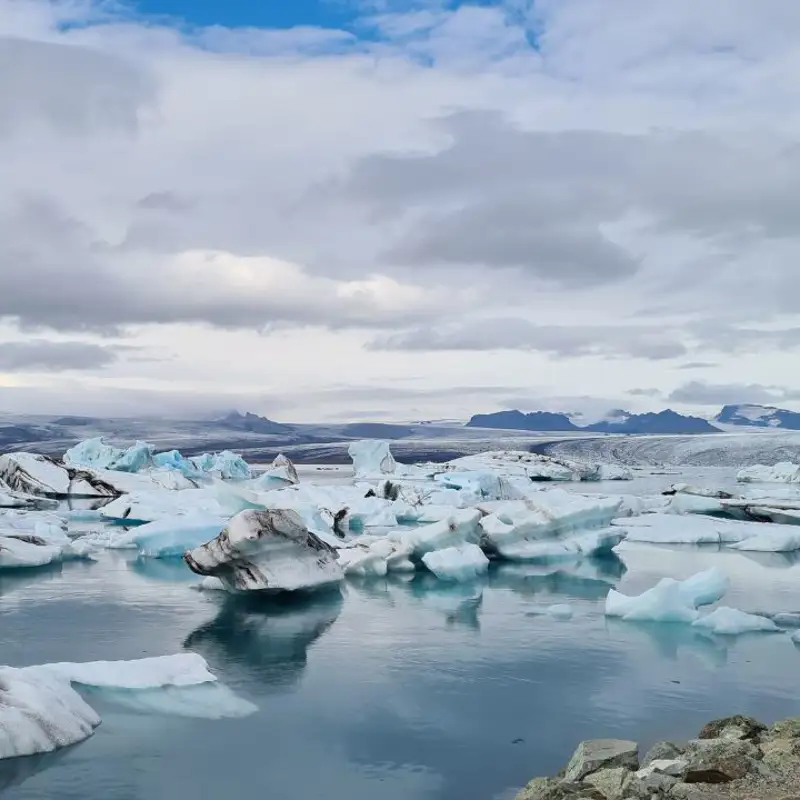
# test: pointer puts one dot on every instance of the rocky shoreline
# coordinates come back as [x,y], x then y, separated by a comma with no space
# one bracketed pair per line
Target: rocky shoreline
[737,758]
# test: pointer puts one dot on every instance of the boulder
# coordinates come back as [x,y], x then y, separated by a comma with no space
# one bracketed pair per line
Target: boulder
[597,754]
[735,727]
[267,551]
[551,789]
[674,767]
[611,783]
[785,729]
[780,754]
[663,751]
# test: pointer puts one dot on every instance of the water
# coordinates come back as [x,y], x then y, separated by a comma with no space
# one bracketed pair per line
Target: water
[398,689]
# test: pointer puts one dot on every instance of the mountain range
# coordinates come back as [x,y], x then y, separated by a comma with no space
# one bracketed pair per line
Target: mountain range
[624,422]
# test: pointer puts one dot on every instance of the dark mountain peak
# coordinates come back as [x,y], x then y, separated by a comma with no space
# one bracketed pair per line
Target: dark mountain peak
[517,421]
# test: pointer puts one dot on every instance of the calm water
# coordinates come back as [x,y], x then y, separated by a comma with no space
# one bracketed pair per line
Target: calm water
[393,689]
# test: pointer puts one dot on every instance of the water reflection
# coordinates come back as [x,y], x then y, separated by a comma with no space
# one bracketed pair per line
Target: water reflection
[589,579]
[670,639]
[266,639]
[15,771]
[13,579]
[172,570]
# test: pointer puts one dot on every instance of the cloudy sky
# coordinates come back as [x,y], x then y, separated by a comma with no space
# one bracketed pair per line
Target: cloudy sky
[332,209]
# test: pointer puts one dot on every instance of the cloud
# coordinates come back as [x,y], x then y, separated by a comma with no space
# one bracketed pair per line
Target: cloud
[698,365]
[40,355]
[505,187]
[644,392]
[520,334]
[700,393]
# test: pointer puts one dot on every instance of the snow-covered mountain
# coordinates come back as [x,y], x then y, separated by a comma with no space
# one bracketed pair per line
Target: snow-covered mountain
[517,421]
[755,416]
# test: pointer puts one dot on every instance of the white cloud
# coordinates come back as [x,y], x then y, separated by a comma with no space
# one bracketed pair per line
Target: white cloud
[632,172]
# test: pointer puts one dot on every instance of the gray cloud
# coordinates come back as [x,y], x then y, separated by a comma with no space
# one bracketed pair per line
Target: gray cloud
[697,365]
[164,201]
[40,355]
[71,88]
[700,393]
[644,392]
[521,334]
[55,273]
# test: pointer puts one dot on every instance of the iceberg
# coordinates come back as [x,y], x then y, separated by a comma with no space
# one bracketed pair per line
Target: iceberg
[98,454]
[281,473]
[772,540]
[40,711]
[461,527]
[613,472]
[514,528]
[171,537]
[783,472]
[535,467]
[694,529]
[19,550]
[371,458]
[559,611]
[268,551]
[462,563]
[670,600]
[732,622]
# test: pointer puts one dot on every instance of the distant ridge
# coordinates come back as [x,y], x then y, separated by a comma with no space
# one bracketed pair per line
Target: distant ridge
[517,421]
[617,421]
[252,423]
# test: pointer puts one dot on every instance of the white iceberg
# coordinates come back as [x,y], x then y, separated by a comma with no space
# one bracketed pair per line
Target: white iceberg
[772,540]
[171,537]
[281,473]
[732,622]
[462,563]
[783,472]
[461,527]
[269,551]
[560,611]
[691,529]
[515,528]
[41,712]
[669,600]
[371,457]
[613,472]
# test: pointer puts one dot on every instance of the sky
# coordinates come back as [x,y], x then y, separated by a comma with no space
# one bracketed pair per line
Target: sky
[369,209]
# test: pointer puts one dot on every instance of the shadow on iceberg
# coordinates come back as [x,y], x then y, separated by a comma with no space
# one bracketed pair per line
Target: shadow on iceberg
[266,638]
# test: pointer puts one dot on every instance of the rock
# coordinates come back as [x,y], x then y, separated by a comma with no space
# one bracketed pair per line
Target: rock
[779,754]
[596,754]
[663,751]
[685,791]
[718,769]
[551,789]
[612,783]
[718,748]
[270,551]
[675,767]
[785,729]
[735,727]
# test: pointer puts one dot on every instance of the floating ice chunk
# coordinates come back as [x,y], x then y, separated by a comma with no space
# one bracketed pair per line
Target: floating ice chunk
[462,563]
[705,588]
[155,504]
[371,457]
[693,529]
[281,473]
[28,551]
[796,637]
[182,669]
[206,701]
[560,611]
[663,603]
[40,713]
[692,504]
[95,453]
[511,527]
[228,466]
[571,547]
[670,600]
[267,551]
[171,537]
[459,528]
[613,472]
[359,560]
[772,541]
[731,622]
[783,472]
